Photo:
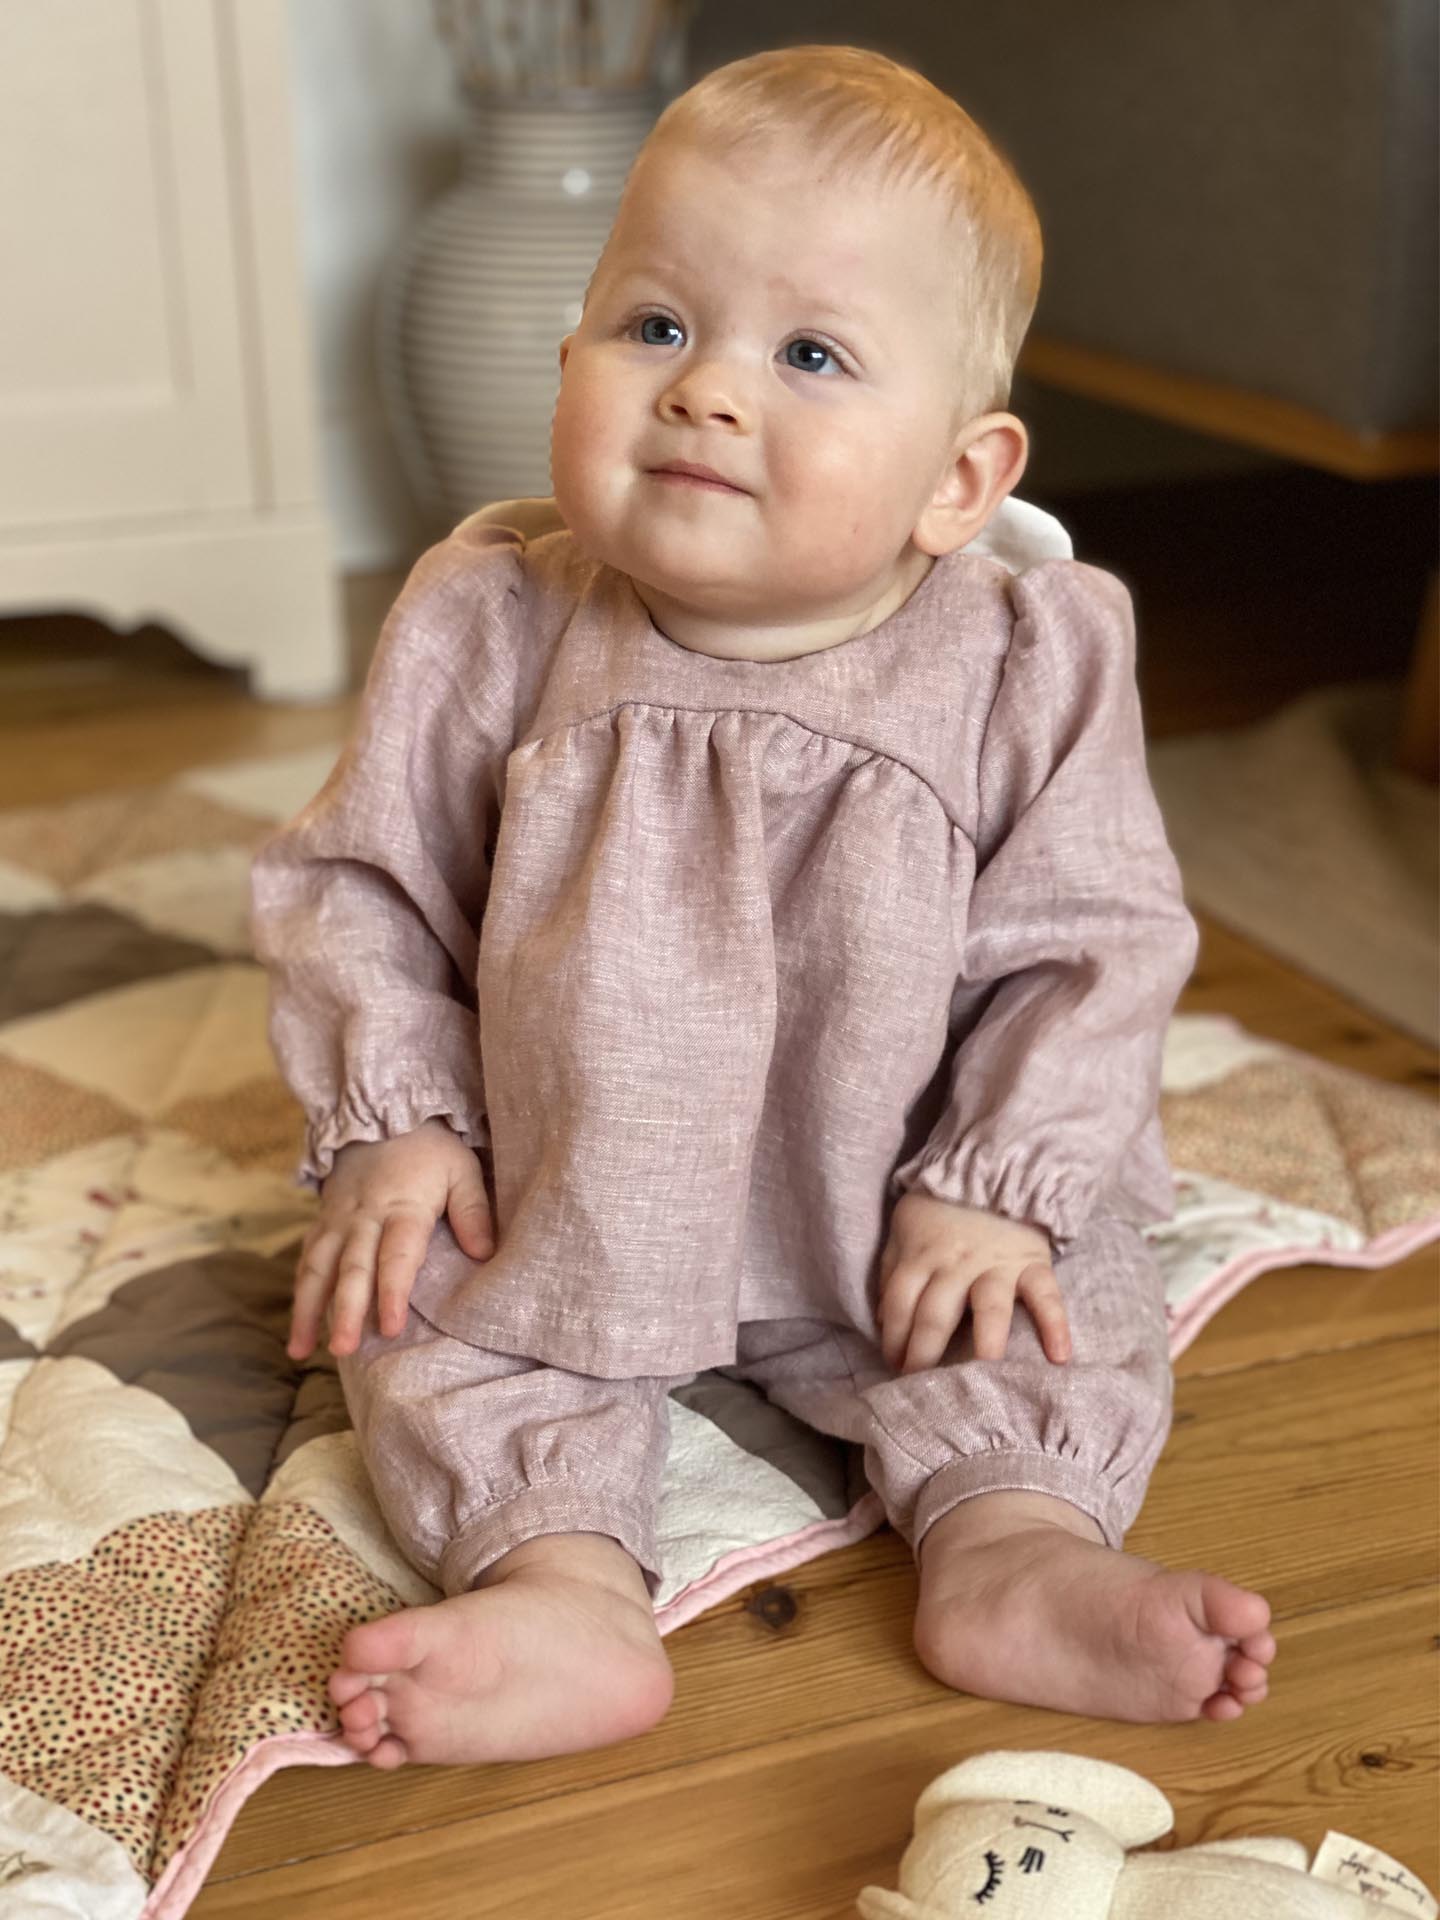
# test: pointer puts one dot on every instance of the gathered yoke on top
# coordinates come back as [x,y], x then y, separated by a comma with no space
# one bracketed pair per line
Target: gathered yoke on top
[712,959]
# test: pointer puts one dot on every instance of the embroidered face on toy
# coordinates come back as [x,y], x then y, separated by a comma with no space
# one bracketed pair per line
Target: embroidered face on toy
[1036,1834]
[983,1843]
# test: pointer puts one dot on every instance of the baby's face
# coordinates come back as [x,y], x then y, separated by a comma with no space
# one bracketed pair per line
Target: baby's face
[794,332]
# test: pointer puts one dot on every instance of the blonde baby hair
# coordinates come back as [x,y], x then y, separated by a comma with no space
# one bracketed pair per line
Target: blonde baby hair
[862,110]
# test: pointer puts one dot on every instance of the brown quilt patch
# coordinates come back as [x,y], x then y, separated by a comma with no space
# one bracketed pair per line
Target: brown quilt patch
[46,1116]
[100,1659]
[319,1408]
[53,956]
[297,1591]
[1312,1136]
[207,1336]
[258,1124]
[1392,1145]
[71,843]
[14,1345]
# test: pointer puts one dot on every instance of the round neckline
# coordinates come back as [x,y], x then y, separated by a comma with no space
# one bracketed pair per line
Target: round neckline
[875,633]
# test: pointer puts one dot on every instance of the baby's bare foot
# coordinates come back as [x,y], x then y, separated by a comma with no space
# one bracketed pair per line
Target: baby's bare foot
[556,1652]
[1020,1600]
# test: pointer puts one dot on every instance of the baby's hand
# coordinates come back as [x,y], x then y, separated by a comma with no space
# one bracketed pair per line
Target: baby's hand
[378,1209]
[941,1257]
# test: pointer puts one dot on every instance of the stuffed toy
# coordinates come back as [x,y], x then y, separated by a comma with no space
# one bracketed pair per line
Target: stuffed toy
[1048,1836]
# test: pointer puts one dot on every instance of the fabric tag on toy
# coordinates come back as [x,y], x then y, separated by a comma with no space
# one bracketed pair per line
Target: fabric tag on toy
[1344,1862]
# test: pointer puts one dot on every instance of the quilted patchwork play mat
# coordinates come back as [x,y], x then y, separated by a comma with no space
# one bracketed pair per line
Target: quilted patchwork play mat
[185,1528]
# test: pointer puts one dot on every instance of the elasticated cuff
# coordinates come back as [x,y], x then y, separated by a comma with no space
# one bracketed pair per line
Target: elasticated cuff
[1004,1472]
[555,1506]
[967,1177]
[354,1120]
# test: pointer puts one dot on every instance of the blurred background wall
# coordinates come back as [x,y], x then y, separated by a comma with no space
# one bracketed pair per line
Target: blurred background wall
[378,115]
[377,125]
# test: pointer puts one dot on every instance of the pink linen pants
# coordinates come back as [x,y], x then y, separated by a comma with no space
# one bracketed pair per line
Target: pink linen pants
[472,1452]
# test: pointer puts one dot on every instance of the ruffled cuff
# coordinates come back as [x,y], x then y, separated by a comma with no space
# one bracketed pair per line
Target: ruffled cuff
[400,1112]
[1022,1184]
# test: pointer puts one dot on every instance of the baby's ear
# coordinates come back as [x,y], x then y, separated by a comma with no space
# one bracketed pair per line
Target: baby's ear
[1126,1805]
[987,461]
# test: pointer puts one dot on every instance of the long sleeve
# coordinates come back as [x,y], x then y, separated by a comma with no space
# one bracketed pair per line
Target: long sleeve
[366,909]
[1076,942]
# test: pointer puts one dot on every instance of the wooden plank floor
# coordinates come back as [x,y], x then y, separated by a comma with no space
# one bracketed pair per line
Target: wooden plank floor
[1304,1461]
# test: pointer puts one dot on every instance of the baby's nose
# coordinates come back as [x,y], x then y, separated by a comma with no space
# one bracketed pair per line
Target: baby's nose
[705,394]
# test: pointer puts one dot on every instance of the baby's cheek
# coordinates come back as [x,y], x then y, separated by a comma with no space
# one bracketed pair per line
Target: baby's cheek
[571,455]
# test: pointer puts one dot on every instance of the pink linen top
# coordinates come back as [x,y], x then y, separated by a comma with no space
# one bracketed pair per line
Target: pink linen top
[712,959]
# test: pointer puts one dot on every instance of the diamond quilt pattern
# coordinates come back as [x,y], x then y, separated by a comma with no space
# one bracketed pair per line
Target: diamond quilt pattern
[186,1530]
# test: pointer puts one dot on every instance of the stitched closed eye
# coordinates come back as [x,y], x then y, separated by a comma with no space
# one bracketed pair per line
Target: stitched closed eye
[994,1866]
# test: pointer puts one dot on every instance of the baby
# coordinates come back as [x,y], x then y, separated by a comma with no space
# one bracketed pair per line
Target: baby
[740,933]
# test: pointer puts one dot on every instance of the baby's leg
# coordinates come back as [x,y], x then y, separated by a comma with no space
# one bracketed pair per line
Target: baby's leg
[1016,1480]
[528,1495]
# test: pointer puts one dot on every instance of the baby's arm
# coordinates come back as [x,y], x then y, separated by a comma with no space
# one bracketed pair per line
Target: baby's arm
[367,912]
[1076,943]
[941,1259]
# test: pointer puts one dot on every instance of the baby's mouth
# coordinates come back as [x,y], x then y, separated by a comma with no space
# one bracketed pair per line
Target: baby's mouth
[689,473]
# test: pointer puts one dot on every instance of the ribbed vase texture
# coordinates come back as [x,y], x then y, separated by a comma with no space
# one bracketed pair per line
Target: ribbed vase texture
[477,301]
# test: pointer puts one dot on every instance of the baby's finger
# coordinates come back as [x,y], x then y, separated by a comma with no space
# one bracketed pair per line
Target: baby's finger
[902,1290]
[314,1277]
[354,1285]
[939,1313]
[403,1240]
[1040,1291]
[992,1308]
[468,1211]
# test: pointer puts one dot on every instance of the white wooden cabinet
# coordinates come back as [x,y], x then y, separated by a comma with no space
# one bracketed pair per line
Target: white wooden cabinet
[157,432]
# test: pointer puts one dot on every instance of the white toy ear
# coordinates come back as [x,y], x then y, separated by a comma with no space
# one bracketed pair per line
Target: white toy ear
[1275,1848]
[874,1903]
[1126,1805]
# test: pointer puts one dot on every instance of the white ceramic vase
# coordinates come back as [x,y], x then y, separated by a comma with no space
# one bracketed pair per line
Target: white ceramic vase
[476,302]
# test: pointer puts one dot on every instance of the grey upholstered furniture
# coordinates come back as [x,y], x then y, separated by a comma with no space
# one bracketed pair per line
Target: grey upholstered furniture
[1242,192]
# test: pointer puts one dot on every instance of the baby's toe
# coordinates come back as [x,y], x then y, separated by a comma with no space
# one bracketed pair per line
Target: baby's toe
[363,1722]
[388,1753]
[1222,1706]
[1247,1678]
[383,1646]
[1233,1612]
[1259,1647]
[344,1685]
[1243,1675]
[361,1738]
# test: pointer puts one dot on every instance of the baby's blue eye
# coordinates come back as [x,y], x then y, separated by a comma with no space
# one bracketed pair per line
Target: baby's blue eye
[660,321]
[808,356]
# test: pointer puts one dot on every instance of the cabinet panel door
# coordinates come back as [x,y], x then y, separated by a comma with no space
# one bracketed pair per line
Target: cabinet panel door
[122,335]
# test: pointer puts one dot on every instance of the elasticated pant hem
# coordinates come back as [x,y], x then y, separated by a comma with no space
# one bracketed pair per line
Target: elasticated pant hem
[555,1506]
[1004,1472]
